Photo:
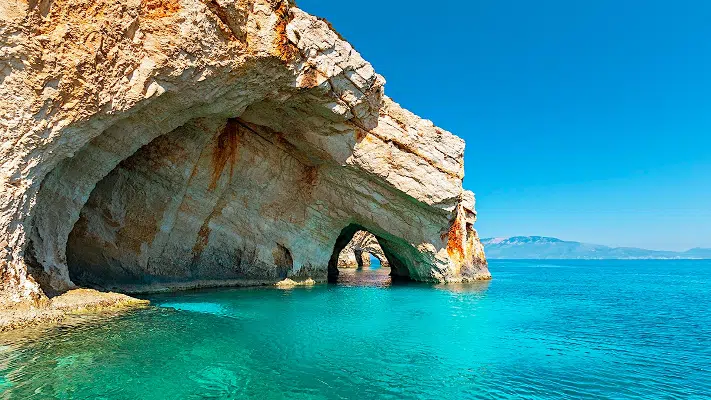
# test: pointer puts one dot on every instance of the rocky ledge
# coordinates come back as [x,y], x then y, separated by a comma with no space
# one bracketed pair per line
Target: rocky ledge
[169,143]
[71,303]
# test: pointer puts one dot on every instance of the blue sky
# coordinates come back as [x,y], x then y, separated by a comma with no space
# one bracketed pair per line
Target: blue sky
[584,120]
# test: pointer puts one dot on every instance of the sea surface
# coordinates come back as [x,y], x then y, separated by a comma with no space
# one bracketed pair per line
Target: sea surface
[539,329]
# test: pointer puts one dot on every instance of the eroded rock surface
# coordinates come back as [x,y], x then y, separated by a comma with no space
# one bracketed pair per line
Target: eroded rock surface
[189,142]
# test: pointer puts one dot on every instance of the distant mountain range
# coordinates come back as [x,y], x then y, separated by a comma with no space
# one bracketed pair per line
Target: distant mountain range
[541,247]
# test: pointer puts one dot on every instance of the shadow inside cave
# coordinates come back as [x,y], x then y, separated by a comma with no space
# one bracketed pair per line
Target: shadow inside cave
[359,260]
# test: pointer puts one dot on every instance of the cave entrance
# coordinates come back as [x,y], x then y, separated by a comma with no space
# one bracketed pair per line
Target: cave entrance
[360,258]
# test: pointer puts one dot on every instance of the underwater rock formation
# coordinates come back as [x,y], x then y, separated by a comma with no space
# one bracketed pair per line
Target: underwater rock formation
[187,143]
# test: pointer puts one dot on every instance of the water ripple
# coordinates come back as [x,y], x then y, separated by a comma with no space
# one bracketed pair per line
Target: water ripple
[555,332]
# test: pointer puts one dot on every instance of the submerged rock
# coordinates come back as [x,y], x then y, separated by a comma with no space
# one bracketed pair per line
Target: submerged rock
[176,142]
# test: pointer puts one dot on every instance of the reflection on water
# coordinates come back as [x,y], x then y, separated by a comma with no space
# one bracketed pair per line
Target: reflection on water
[530,333]
[373,276]
[378,276]
[476,287]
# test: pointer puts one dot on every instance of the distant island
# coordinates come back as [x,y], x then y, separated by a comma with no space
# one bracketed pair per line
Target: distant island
[541,247]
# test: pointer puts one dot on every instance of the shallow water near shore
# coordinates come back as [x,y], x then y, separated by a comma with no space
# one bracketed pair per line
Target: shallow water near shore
[539,329]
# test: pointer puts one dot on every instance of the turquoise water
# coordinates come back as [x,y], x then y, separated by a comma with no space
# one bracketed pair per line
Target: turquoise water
[540,329]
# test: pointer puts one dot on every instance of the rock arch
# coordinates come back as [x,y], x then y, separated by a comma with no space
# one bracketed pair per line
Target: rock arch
[358,251]
[254,103]
[357,233]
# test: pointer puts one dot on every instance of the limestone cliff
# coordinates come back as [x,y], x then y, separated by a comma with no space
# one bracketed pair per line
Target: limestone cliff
[187,142]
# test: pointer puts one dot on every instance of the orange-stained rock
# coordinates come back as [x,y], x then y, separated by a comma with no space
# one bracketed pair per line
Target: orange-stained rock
[164,142]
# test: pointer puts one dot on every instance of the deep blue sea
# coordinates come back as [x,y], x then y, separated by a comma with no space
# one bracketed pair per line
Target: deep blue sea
[539,329]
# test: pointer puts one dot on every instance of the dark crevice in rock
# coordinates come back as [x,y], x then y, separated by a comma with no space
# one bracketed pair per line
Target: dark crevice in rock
[283,261]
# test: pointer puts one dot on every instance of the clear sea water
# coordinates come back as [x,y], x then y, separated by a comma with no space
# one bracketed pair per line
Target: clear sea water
[539,329]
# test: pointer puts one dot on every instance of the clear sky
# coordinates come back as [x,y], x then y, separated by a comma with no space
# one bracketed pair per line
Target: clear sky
[584,120]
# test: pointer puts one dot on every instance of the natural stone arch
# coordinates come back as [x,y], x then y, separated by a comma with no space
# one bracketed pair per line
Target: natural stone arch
[361,247]
[81,110]
[399,269]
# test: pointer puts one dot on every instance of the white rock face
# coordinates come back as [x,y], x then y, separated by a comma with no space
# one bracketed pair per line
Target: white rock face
[184,142]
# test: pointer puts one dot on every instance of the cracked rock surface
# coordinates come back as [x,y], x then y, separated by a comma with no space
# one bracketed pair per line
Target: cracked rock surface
[186,143]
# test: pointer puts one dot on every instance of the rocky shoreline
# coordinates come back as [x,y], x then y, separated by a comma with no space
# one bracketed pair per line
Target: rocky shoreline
[57,309]
[84,301]
[207,144]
